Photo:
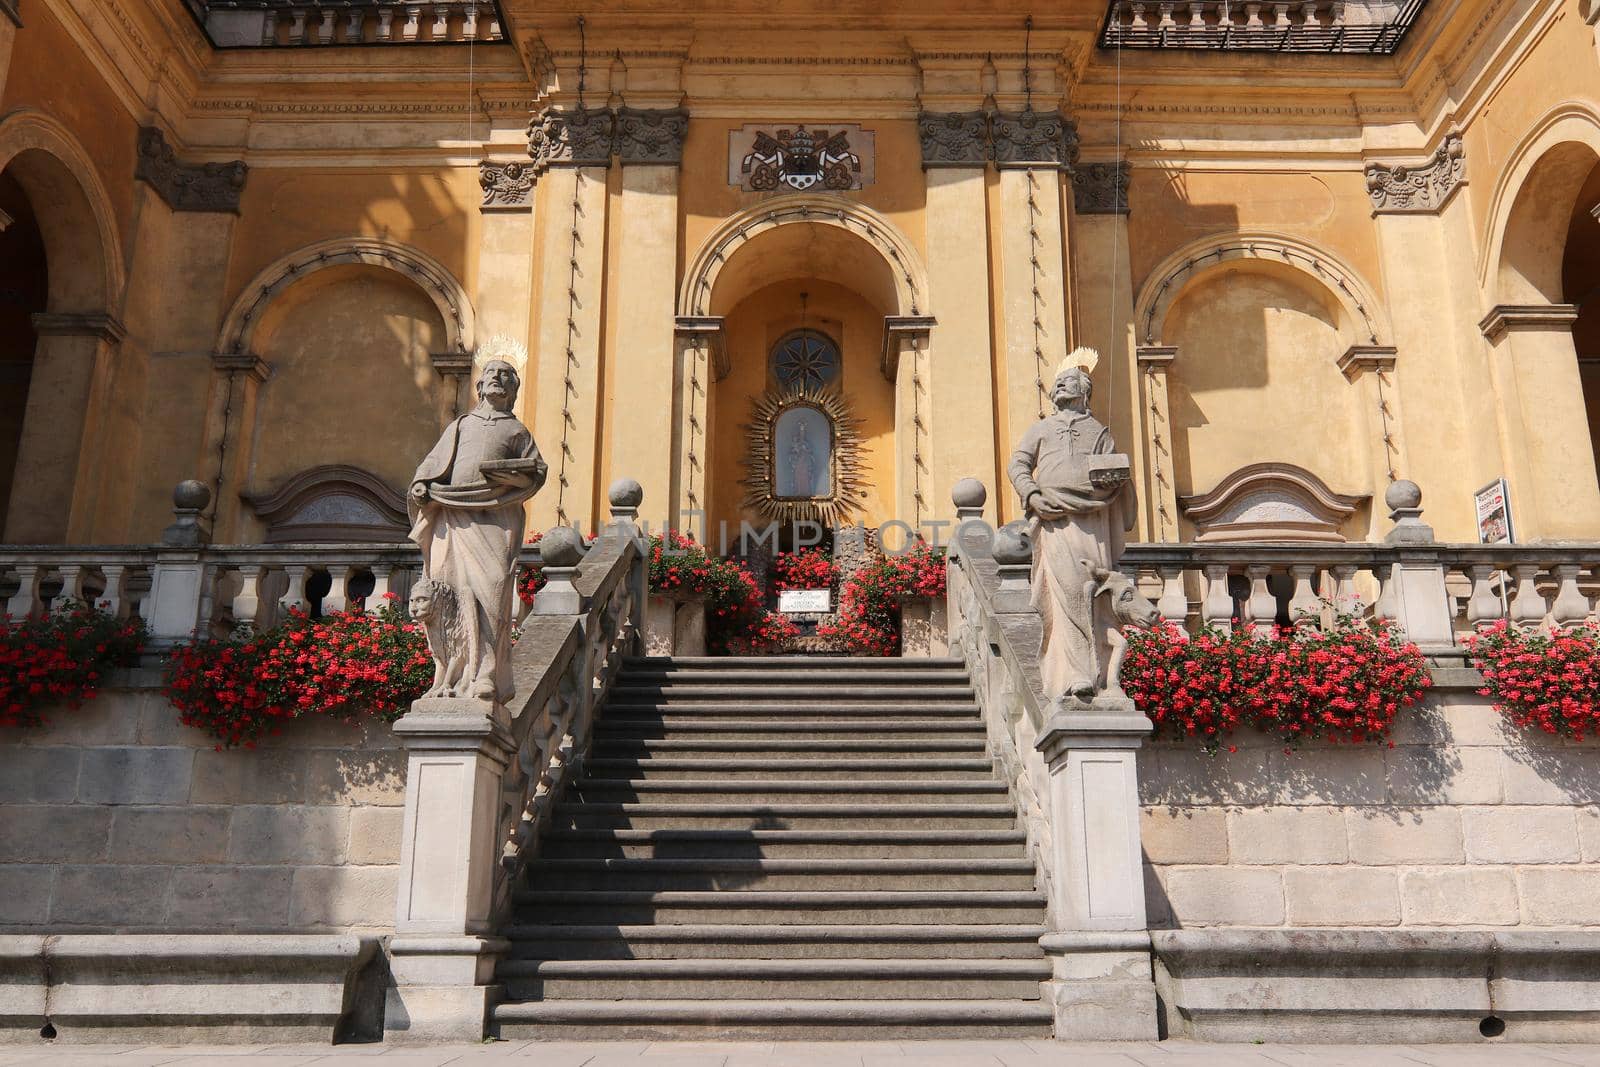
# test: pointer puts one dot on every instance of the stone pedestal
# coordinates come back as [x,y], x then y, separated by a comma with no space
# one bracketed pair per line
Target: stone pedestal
[924,629]
[442,955]
[674,627]
[1102,986]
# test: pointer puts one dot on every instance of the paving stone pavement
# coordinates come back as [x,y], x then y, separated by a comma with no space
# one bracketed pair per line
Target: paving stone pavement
[809,1054]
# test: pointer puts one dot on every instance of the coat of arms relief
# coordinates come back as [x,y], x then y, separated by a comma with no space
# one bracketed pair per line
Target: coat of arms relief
[765,159]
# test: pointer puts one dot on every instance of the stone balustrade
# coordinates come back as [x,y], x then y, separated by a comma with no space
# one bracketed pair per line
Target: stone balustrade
[287,23]
[1348,26]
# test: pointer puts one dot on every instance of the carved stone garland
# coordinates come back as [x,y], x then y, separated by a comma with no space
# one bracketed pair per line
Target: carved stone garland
[506,185]
[590,136]
[847,495]
[1421,189]
[186,186]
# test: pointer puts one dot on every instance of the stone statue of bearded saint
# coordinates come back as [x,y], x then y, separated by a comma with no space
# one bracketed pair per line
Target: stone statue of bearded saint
[1076,489]
[466,508]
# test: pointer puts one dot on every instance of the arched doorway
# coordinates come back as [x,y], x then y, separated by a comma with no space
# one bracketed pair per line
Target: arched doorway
[1580,287]
[23,294]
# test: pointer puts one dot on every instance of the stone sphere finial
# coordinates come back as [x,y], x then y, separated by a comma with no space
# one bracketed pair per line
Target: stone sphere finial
[1403,495]
[191,495]
[625,493]
[1011,545]
[561,546]
[969,493]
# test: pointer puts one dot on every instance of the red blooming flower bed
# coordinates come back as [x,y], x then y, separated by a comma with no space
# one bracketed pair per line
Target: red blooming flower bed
[530,579]
[1345,684]
[348,665]
[869,601]
[61,658]
[737,619]
[807,568]
[1551,681]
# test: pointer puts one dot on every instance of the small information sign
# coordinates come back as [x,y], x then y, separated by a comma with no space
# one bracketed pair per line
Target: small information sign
[1494,514]
[805,602]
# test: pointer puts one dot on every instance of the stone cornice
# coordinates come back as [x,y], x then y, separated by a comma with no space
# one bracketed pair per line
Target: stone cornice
[1359,359]
[1508,317]
[247,363]
[106,328]
[211,187]
[1152,356]
[1420,189]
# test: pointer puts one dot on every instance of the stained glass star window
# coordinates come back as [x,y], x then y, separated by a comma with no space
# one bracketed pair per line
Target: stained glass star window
[805,359]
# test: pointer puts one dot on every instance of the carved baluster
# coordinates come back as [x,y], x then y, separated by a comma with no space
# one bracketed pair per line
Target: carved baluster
[1262,606]
[297,25]
[494,28]
[412,25]
[1387,607]
[338,596]
[25,601]
[385,30]
[1305,607]
[112,598]
[1252,17]
[247,602]
[469,24]
[382,586]
[324,32]
[352,26]
[1174,603]
[1138,22]
[1345,600]
[1527,606]
[1216,610]
[294,598]
[1571,607]
[72,575]
[441,22]
[1166,22]
[1484,606]
[1336,14]
[269,28]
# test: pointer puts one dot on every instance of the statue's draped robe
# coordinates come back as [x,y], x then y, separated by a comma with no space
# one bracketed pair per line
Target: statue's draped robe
[1054,455]
[470,532]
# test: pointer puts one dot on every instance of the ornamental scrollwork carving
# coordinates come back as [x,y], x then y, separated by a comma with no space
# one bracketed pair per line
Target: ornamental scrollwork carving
[589,137]
[187,186]
[954,138]
[1008,139]
[1101,188]
[1422,188]
[651,136]
[506,185]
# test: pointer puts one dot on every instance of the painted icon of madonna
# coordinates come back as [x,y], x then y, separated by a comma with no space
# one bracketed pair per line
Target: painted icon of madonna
[802,454]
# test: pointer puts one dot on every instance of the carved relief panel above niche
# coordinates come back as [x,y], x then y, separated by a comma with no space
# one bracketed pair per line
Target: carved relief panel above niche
[1270,502]
[794,157]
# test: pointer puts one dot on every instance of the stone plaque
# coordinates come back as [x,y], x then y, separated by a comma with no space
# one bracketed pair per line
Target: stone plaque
[799,158]
[805,602]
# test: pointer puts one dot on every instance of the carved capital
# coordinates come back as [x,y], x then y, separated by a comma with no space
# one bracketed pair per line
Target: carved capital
[1419,189]
[1157,357]
[1101,188]
[651,136]
[573,137]
[899,331]
[954,138]
[186,186]
[1507,317]
[101,327]
[1361,358]
[1032,139]
[247,363]
[507,186]
[707,330]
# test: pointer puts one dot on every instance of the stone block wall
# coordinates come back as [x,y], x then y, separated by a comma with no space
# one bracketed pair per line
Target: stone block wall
[1466,821]
[116,819]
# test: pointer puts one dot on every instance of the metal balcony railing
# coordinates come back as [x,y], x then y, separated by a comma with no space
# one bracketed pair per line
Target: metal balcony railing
[1340,27]
[319,23]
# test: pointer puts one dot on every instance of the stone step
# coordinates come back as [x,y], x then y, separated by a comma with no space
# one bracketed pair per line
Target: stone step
[796,696]
[793,750]
[780,844]
[735,940]
[682,769]
[625,907]
[762,663]
[644,677]
[780,790]
[946,815]
[808,874]
[753,1020]
[670,707]
[781,979]
[819,729]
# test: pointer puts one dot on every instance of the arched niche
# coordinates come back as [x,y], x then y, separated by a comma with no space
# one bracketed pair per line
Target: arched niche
[332,503]
[1271,502]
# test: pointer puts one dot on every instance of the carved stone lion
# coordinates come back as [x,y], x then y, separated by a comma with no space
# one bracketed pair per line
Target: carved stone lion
[434,605]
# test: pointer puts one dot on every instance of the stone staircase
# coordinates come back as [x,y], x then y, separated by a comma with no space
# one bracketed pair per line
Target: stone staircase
[781,848]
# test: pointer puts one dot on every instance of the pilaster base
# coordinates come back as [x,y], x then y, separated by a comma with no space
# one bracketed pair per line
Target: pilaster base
[442,989]
[1103,987]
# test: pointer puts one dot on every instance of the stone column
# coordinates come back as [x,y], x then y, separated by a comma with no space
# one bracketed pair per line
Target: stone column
[1550,459]
[1160,495]
[650,151]
[52,498]
[960,388]
[1103,988]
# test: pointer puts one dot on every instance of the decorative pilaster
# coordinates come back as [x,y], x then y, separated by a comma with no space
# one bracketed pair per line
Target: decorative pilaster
[236,383]
[456,370]
[185,186]
[1371,369]
[1422,188]
[1101,188]
[1155,362]
[506,185]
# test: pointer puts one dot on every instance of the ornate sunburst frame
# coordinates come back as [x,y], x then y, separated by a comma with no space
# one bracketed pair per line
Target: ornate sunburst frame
[848,496]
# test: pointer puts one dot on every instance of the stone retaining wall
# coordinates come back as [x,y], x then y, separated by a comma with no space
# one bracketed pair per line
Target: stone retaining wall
[116,819]
[1466,821]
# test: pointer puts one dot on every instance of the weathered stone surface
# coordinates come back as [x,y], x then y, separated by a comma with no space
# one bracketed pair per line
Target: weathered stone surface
[1226,896]
[1444,775]
[250,777]
[343,896]
[1397,836]
[169,835]
[39,775]
[54,834]
[1347,774]
[231,897]
[1589,834]
[118,895]
[375,835]
[1189,777]
[1520,835]
[1288,835]
[1342,896]
[289,834]
[1177,835]
[356,776]
[1458,896]
[1555,896]
[25,894]
[136,775]
[1550,776]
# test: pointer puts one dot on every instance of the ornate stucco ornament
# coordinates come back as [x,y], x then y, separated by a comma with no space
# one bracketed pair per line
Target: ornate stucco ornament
[803,458]
[187,186]
[801,159]
[1101,188]
[590,136]
[1422,188]
[1024,138]
[954,138]
[651,135]
[506,185]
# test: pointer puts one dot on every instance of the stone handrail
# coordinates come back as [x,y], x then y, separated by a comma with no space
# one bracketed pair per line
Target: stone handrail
[294,23]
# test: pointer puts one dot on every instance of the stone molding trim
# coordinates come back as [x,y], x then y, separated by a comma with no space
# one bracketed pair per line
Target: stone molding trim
[188,186]
[1360,358]
[10,9]
[1506,317]
[699,280]
[590,136]
[1101,188]
[106,328]
[335,503]
[241,363]
[1319,266]
[899,331]
[1025,138]
[449,296]
[1270,502]
[507,185]
[711,330]
[1422,188]
[1156,355]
